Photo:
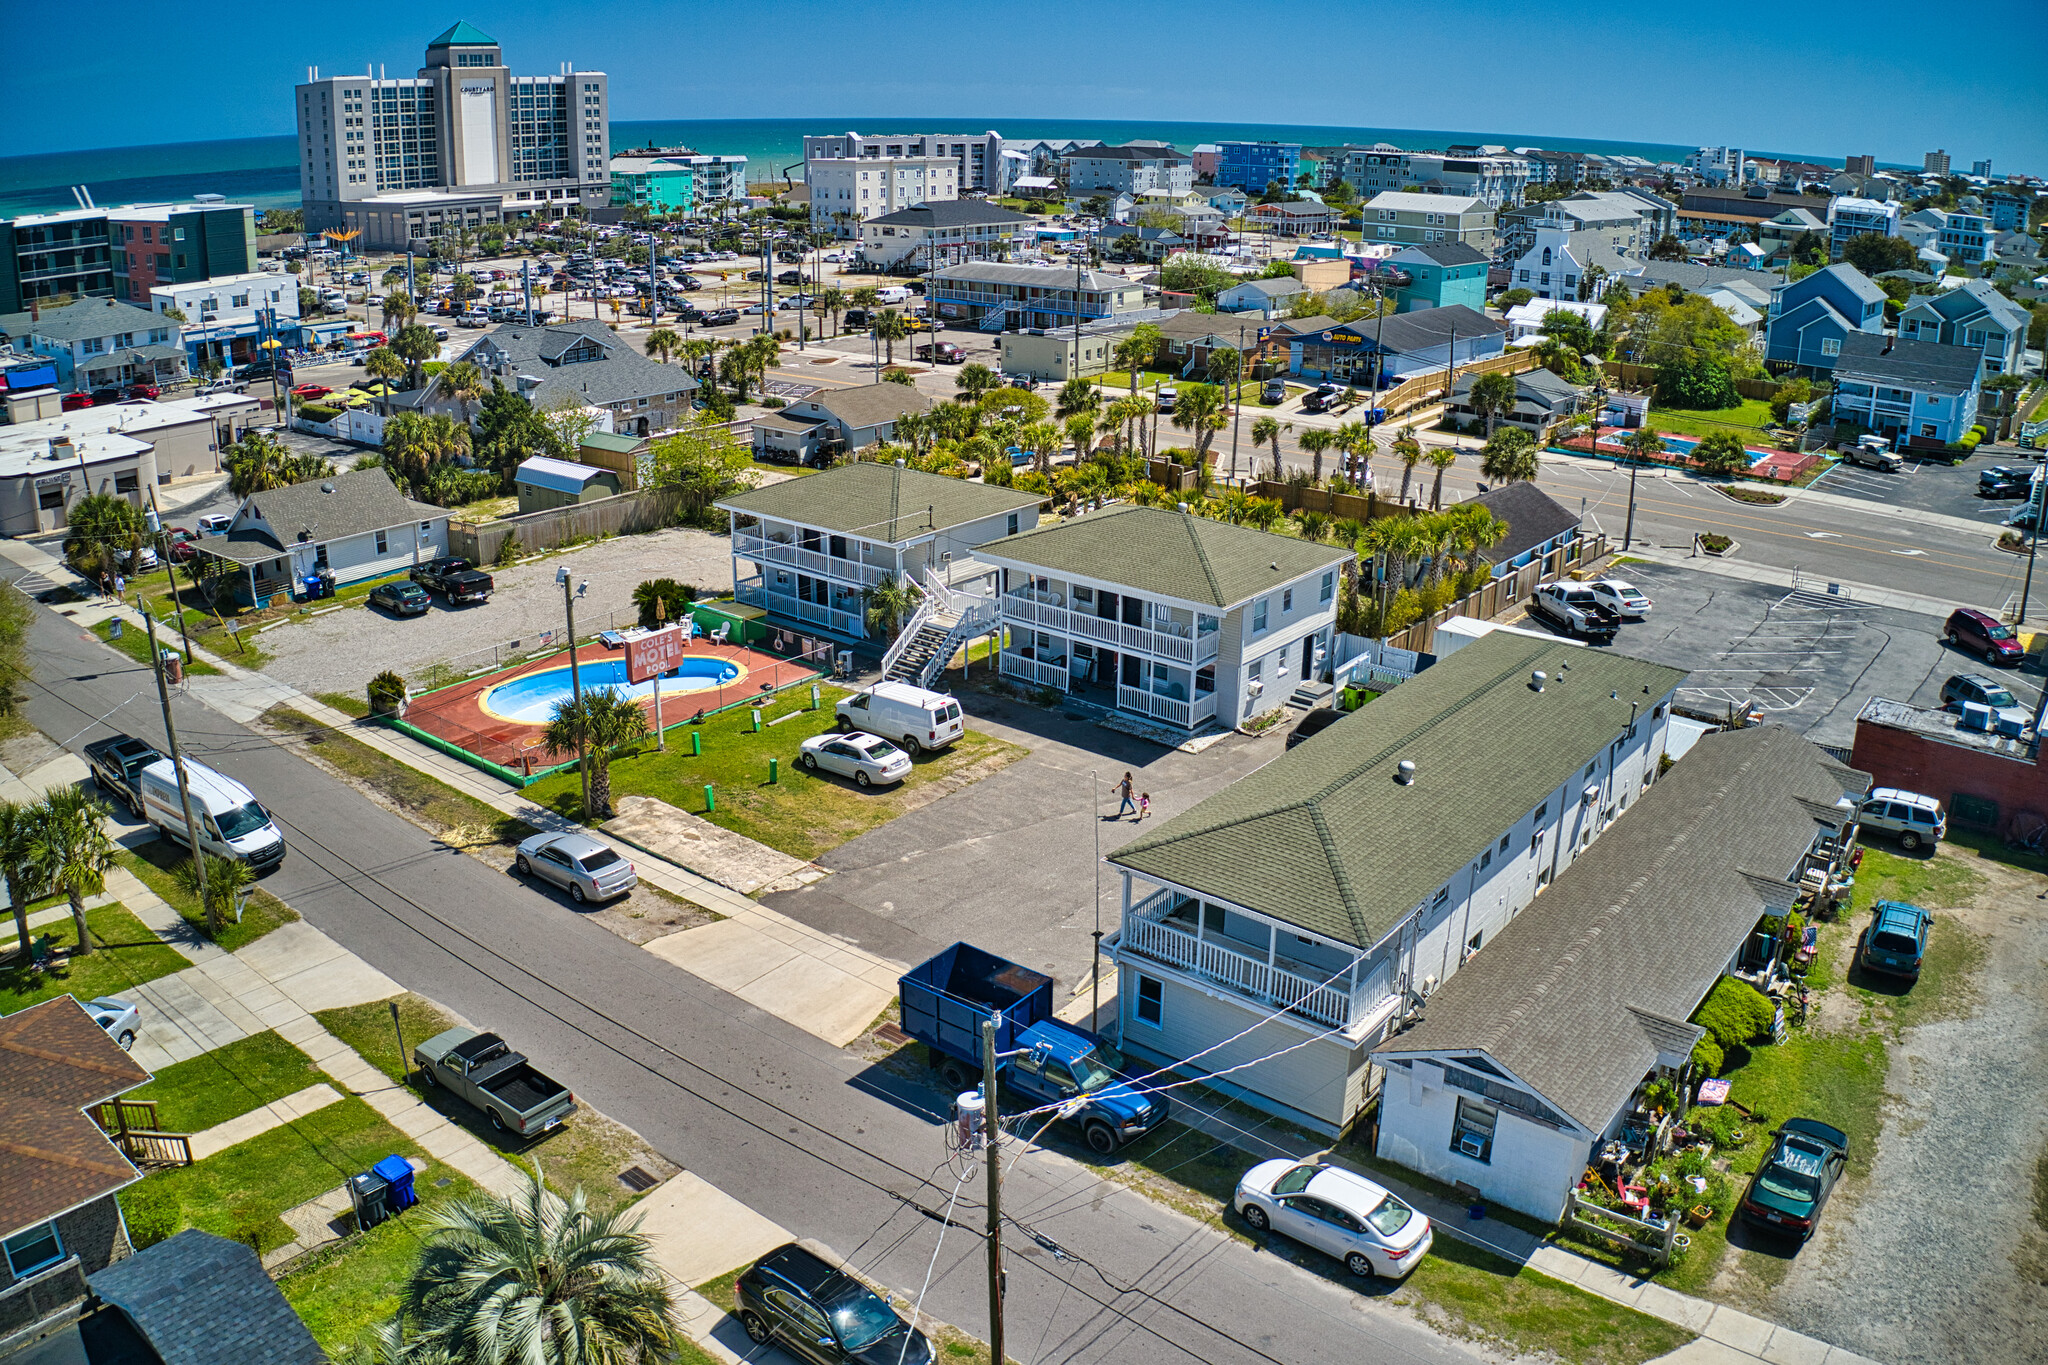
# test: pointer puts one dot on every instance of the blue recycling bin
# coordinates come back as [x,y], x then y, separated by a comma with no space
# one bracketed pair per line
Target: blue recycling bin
[396,1172]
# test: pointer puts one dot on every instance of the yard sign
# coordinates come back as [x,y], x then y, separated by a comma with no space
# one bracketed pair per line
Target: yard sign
[652,654]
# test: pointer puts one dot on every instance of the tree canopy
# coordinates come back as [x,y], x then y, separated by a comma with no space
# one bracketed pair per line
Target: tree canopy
[1874,254]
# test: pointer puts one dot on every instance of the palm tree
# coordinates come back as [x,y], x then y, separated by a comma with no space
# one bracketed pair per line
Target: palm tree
[19,866]
[531,1278]
[1408,451]
[833,301]
[463,382]
[663,343]
[1201,409]
[257,463]
[889,603]
[868,297]
[70,844]
[1510,456]
[1355,440]
[1493,394]
[415,345]
[1135,351]
[398,309]
[1041,439]
[1315,441]
[1442,458]
[890,328]
[101,530]
[1474,530]
[1130,411]
[383,364]
[226,880]
[1080,429]
[1269,429]
[1077,395]
[602,721]
[975,381]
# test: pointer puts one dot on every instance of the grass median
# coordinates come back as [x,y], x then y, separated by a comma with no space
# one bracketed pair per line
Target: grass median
[134,642]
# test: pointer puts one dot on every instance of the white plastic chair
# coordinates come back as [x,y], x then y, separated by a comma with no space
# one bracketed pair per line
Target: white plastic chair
[717,637]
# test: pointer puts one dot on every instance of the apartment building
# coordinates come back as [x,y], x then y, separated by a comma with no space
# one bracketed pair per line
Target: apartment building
[1865,166]
[1130,169]
[1414,219]
[122,252]
[1850,217]
[1492,174]
[1251,166]
[999,297]
[462,143]
[1719,165]
[847,191]
[229,318]
[1935,163]
[944,233]
[977,157]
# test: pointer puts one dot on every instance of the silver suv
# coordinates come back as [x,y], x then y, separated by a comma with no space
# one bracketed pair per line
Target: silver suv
[1914,819]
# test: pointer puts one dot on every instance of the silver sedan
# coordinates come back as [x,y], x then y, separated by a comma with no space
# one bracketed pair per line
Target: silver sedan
[586,869]
[867,759]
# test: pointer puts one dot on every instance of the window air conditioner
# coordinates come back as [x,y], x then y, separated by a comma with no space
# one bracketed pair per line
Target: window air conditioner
[1472,1145]
[1254,688]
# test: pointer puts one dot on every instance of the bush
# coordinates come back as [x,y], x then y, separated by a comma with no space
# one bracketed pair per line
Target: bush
[508,551]
[662,599]
[318,412]
[1734,1013]
[386,691]
[152,1212]
[1708,1057]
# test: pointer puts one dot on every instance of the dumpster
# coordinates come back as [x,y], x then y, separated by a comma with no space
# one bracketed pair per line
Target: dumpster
[369,1192]
[396,1172]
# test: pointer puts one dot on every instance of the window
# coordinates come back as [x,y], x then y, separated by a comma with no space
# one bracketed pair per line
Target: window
[1831,346]
[1259,615]
[1151,1008]
[127,481]
[1589,770]
[1505,839]
[1441,898]
[1286,601]
[383,546]
[1472,1130]
[28,1252]
[1485,860]
[1541,811]
[1329,588]
[1472,944]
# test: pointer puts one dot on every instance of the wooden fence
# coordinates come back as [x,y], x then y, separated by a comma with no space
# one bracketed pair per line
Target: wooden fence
[624,514]
[1428,388]
[1625,1231]
[1631,376]
[1501,593]
[1362,506]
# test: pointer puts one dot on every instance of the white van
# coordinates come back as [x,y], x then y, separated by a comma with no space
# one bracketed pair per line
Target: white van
[231,823]
[913,717]
[893,293]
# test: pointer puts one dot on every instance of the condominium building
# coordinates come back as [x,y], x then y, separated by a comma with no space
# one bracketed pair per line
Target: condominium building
[1861,165]
[1850,218]
[1129,169]
[1981,169]
[462,143]
[1935,163]
[124,252]
[1408,219]
[1251,166]
[977,157]
[1719,165]
[997,297]
[678,181]
[1492,174]
[847,191]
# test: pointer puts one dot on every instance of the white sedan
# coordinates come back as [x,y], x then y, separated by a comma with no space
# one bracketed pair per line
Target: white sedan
[120,1018]
[1623,599]
[1333,1210]
[867,759]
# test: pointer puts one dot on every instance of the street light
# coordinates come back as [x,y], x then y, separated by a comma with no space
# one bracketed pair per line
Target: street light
[576,678]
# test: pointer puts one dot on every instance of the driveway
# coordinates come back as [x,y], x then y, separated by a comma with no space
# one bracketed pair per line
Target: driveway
[342,650]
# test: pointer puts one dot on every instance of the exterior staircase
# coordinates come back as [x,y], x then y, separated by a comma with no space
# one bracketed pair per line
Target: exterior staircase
[945,620]
[996,319]
[1310,695]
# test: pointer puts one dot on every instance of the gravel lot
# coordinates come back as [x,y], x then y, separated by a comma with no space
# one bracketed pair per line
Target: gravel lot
[1939,1255]
[343,650]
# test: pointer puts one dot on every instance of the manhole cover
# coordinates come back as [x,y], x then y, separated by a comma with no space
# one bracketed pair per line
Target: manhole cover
[636,1179]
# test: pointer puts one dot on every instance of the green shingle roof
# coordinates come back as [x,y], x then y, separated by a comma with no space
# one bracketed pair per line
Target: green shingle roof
[464,34]
[1323,837]
[1172,554]
[883,502]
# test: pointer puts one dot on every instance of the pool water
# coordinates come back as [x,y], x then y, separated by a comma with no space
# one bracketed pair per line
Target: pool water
[1682,445]
[531,698]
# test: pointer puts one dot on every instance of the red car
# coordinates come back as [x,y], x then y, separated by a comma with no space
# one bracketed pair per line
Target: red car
[143,390]
[181,544]
[74,401]
[311,391]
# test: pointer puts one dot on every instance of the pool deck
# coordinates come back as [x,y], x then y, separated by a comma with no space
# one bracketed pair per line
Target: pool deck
[458,715]
[1781,466]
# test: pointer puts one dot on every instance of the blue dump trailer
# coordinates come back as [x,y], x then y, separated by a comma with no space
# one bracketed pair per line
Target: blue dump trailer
[945,1001]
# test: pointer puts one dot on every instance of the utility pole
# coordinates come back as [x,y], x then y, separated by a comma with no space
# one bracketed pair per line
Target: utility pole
[1237,403]
[2035,505]
[163,696]
[992,1125]
[171,574]
[1095,964]
[1628,531]
[575,685]
[1075,372]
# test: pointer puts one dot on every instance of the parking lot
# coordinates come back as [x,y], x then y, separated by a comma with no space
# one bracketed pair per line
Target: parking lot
[1930,485]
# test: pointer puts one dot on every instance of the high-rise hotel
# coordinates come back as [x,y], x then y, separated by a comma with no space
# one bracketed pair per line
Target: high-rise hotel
[463,143]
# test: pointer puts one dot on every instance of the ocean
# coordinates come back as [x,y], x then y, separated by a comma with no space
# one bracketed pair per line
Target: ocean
[264,170]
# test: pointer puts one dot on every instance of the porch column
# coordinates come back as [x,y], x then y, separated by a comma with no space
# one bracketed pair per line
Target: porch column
[1272,945]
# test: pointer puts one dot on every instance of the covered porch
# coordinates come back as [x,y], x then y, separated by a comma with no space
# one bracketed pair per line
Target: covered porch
[1150,657]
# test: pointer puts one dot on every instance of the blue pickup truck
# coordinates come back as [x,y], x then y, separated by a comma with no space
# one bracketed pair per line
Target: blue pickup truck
[945,1001]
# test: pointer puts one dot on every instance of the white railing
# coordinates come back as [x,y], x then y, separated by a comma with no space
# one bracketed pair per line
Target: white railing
[796,609]
[771,551]
[1015,665]
[1332,1005]
[1181,648]
[1169,709]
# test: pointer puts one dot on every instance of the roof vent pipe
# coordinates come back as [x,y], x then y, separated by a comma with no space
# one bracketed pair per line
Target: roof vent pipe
[1537,679]
[1404,772]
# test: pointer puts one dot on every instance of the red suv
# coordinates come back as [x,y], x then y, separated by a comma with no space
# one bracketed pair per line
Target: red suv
[1979,633]
[74,401]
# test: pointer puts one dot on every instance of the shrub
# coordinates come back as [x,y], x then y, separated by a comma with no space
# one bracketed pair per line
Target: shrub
[1707,1056]
[152,1212]
[1734,1013]
[662,599]
[318,412]
[1714,543]
[508,551]
[386,691]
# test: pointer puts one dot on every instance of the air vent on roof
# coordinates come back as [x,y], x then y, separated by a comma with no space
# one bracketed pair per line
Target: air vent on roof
[1537,679]
[1404,772]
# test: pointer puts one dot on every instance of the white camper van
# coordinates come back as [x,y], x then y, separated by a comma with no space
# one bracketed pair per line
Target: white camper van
[231,823]
[913,717]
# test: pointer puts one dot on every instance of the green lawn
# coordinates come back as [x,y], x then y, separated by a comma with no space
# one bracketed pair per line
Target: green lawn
[228,1081]
[426,801]
[1747,421]
[588,1150]
[358,1282]
[134,642]
[348,703]
[801,814]
[125,954]
[154,865]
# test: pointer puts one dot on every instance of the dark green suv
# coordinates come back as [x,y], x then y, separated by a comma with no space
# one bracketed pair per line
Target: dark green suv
[1789,1190]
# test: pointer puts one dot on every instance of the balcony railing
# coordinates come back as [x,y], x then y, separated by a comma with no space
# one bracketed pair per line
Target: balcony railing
[42,1295]
[1020,609]
[1334,1004]
[766,549]
[1172,710]
[796,609]
[1015,665]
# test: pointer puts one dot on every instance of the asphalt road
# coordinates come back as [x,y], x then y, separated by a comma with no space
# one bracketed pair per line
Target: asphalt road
[812,1137]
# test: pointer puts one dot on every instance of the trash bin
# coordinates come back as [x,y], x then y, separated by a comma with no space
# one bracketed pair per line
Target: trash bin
[369,1193]
[396,1172]
[174,666]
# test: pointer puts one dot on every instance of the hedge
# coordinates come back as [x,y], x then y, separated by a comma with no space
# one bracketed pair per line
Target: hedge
[318,412]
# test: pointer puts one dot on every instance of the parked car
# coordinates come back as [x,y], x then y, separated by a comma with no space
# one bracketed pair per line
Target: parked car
[855,317]
[406,599]
[1573,608]
[2003,481]
[306,393]
[122,1019]
[1313,724]
[1914,819]
[141,559]
[1320,398]
[941,352]
[144,390]
[790,277]
[719,317]
[455,578]
[1896,939]
[1624,600]
[1979,632]
[116,766]
[73,402]
[913,717]
[1873,453]
[1273,391]
[796,1298]
[1362,1224]
[1164,397]
[231,822]
[483,1070]
[1963,687]
[587,869]
[181,542]
[106,395]
[869,760]
[215,524]
[1792,1186]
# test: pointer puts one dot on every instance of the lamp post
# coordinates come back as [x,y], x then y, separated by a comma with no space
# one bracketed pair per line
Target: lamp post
[576,680]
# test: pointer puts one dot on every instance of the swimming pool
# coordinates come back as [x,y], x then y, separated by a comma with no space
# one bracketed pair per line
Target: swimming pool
[531,698]
[1675,445]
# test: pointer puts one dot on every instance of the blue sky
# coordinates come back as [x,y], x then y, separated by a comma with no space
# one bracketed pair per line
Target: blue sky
[1887,77]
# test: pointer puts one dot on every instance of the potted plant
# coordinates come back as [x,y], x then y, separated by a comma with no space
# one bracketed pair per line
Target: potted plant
[388,694]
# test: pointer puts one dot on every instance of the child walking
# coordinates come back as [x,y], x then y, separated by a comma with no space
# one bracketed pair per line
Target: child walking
[1144,804]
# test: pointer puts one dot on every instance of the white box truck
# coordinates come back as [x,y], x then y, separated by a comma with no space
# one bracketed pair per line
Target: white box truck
[232,824]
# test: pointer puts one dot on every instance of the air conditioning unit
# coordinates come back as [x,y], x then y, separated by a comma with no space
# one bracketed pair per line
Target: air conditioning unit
[1254,688]
[1472,1145]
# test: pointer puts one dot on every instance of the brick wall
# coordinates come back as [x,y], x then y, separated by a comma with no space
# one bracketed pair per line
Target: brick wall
[1899,758]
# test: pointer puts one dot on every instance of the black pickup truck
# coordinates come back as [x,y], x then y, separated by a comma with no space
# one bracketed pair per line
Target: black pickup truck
[117,765]
[455,578]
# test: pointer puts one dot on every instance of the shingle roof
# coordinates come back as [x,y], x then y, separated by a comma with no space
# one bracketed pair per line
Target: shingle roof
[1129,152]
[86,318]
[622,375]
[1691,277]
[1923,366]
[879,501]
[1445,253]
[1037,276]
[55,1063]
[870,405]
[360,501]
[1583,989]
[1403,201]
[952,213]
[1189,325]
[1273,288]
[1532,515]
[198,1299]
[1323,837]
[1402,333]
